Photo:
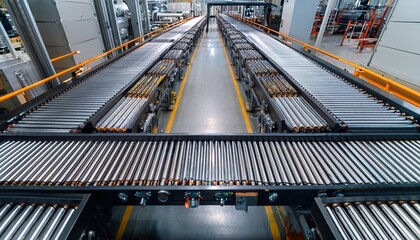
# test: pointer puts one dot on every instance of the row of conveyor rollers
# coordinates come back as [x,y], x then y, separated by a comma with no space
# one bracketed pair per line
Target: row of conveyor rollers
[177,162]
[391,220]
[34,221]
[124,115]
[298,114]
[348,103]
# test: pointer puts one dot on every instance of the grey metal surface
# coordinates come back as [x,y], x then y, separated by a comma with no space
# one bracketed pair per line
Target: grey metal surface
[205,162]
[175,34]
[204,222]
[34,221]
[346,102]
[122,116]
[73,107]
[28,31]
[70,109]
[376,220]
[209,103]
[398,43]
[300,116]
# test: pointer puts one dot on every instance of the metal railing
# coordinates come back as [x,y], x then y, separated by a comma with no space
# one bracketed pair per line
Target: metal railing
[399,90]
[124,46]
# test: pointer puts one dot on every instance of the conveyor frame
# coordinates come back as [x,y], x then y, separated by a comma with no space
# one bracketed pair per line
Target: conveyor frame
[400,104]
[333,123]
[85,217]
[288,194]
[325,224]
[87,126]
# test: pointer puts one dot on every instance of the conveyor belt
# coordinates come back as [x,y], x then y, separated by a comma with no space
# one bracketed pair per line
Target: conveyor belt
[392,217]
[73,107]
[34,221]
[348,103]
[203,161]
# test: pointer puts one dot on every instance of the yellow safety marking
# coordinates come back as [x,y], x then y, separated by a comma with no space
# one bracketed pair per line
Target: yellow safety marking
[238,93]
[181,90]
[124,222]
[280,208]
[275,233]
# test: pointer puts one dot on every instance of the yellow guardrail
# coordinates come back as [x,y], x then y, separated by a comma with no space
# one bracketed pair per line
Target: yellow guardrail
[64,56]
[124,46]
[399,90]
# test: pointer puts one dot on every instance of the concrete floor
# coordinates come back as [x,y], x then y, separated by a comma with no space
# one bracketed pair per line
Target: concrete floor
[209,104]
[331,43]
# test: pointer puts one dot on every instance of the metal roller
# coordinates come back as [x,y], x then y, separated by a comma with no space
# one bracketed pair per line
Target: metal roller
[348,103]
[33,221]
[374,220]
[71,108]
[201,162]
[181,46]
[173,54]
[277,86]
[299,115]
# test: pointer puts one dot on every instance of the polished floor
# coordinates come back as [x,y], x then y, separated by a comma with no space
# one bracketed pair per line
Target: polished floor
[209,104]
[349,51]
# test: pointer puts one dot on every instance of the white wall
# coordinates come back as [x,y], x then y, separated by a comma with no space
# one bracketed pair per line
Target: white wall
[179,6]
[298,18]
[398,50]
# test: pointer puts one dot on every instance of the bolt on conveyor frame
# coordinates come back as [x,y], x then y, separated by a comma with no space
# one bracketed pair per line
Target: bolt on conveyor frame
[288,194]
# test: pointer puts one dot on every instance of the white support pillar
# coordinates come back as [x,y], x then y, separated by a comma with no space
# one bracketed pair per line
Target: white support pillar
[330,5]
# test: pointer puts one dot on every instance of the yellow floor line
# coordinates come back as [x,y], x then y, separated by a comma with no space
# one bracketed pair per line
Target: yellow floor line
[275,233]
[124,221]
[181,90]
[238,93]
[279,208]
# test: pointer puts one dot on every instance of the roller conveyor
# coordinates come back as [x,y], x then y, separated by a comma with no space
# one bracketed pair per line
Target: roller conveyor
[249,55]
[122,116]
[181,46]
[295,111]
[163,67]
[174,54]
[277,86]
[43,216]
[209,161]
[66,112]
[381,217]
[353,106]
[300,116]
[34,221]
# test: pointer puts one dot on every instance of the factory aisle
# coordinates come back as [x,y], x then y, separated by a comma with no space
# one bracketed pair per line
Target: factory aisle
[209,104]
